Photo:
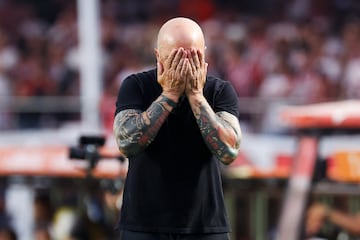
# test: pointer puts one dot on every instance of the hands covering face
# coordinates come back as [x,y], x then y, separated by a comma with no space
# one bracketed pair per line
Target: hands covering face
[196,74]
[184,71]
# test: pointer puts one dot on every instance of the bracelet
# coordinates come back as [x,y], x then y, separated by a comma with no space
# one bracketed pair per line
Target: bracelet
[172,103]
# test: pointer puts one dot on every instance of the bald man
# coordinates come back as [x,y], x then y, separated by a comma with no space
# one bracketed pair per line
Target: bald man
[177,126]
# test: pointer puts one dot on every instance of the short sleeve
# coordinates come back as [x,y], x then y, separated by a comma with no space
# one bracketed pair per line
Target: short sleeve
[227,100]
[129,96]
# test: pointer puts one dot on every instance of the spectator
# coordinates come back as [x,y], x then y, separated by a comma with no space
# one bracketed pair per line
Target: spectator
[7,234]
[318,214]
[42,232]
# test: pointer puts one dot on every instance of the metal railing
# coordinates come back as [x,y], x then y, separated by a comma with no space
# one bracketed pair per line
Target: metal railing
[252,110]
[41,104]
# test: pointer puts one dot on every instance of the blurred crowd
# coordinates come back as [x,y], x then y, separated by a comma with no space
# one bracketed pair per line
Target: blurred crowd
[88,211]
[298,51]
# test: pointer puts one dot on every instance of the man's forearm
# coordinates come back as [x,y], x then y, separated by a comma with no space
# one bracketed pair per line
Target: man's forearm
[345,221]
[134,130]
[220,131]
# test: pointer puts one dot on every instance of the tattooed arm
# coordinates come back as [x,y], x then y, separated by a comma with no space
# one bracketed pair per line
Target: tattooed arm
[221,131]
[134,130]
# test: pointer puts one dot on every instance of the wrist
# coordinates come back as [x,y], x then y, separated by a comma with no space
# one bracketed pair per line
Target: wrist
[171,96]
[169,101]
[195,95]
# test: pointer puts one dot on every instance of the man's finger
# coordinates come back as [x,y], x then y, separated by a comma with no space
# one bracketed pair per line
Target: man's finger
[177,58]
[195,56]
[169,61]
[179,66]
[185,67]
[192,63]
[201,58]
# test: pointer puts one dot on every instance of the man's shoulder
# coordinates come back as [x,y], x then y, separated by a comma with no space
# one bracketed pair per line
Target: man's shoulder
[215,82]
[141,78]
[146,74]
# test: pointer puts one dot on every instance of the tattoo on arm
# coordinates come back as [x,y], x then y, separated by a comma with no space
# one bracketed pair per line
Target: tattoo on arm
[221,131]
[134,130]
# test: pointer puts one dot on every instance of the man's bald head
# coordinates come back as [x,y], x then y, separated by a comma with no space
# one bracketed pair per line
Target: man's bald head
[179,32]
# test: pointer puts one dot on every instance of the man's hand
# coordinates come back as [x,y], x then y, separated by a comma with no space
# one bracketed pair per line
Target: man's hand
[172,76]
[196,74]
[315,218]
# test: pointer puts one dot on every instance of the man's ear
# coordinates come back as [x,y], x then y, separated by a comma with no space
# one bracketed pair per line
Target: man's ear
[159,65]
[157,54]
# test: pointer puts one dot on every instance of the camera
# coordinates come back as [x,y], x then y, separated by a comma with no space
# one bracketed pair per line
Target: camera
[87,149]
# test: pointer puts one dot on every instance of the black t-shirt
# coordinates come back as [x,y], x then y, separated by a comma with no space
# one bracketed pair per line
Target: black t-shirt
[174,185]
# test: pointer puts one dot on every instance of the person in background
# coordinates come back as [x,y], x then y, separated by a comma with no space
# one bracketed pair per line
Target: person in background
[42,232]
[177,126]
[319,213]
[7,233]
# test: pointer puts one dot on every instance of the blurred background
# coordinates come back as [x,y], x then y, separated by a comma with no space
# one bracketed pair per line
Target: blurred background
[62,63]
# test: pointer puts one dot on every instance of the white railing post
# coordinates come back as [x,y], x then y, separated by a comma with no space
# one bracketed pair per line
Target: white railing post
[89,64]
